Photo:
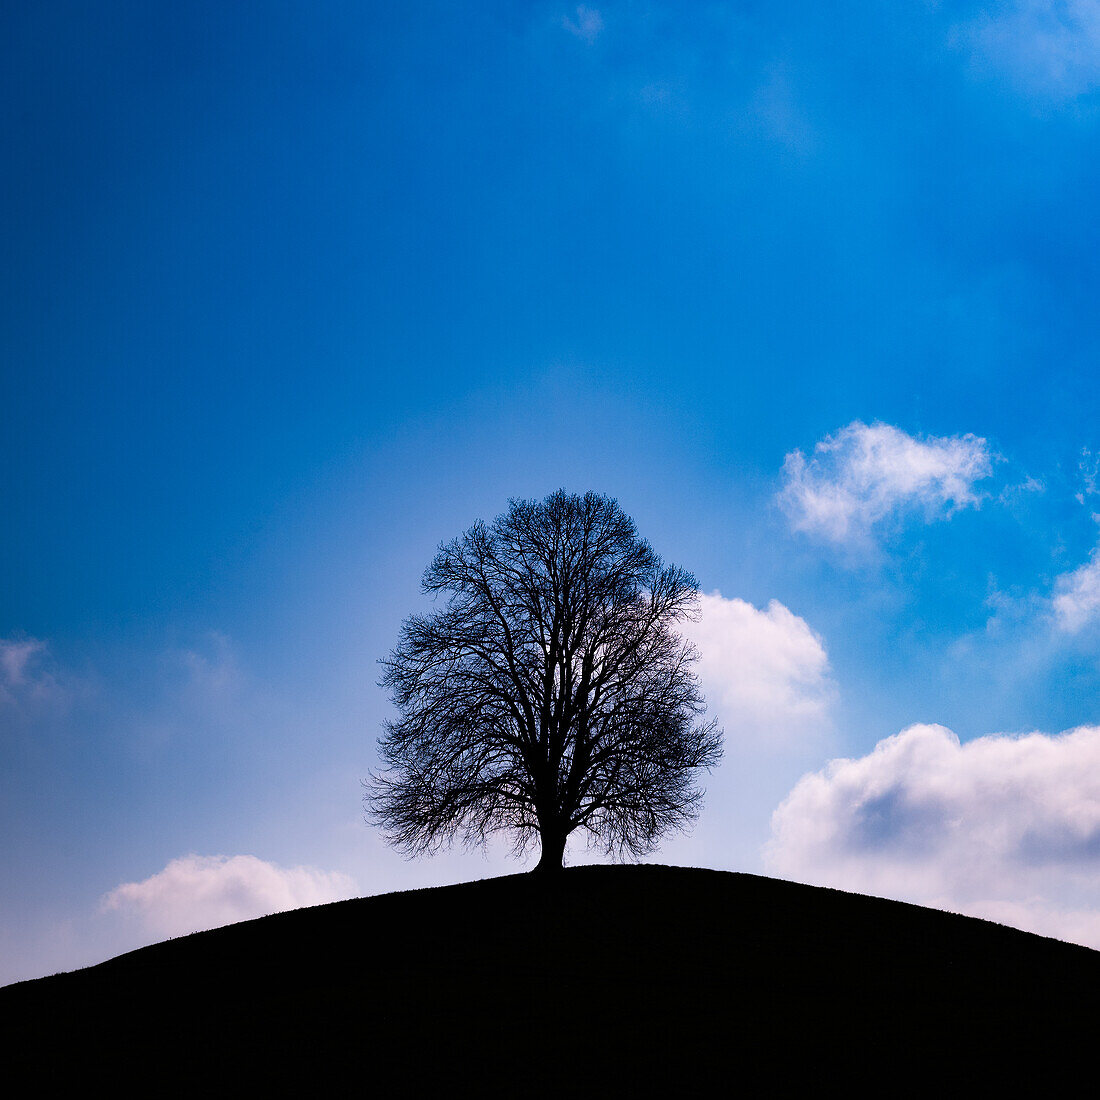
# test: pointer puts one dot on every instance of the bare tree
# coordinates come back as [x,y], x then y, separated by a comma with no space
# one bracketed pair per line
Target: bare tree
[550,693]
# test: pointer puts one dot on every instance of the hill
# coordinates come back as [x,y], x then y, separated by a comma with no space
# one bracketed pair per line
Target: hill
[601,978]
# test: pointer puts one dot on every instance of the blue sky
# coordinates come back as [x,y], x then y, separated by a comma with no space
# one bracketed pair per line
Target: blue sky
[294,292]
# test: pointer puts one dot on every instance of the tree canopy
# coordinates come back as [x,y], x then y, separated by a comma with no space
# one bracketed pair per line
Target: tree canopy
[548,693]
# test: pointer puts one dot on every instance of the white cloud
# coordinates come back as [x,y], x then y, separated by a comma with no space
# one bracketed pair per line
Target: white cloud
[1050,47]
[587,25]
[865,474]
[1077,596]
[764,672]
[1002,827]
[198,892]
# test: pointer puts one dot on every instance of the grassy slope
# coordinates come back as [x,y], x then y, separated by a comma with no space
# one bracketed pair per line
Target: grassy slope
[623,976]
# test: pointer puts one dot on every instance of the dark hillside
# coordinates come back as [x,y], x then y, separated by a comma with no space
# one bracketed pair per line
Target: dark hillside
[685,980]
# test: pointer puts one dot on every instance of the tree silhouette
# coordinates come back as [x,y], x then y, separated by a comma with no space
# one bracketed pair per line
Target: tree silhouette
[550,693]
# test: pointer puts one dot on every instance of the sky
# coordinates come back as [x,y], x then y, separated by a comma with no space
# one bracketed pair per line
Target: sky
[293,292]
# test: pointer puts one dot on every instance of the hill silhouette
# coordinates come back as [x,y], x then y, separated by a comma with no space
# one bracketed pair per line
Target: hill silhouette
[599,979]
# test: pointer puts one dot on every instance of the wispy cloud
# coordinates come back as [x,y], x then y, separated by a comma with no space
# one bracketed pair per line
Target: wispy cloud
[587,24]
[15,657]
[765,673]
[1089,469]
[1048,47]
[1076,599]
[199,892]
[867,474]
[1011,494]
[1002,827]
[776,107]
[30,683]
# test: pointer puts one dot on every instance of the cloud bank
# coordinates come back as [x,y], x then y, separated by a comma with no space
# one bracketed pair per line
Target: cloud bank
[763,672]
[199,892]
[1002,827]
[866,474]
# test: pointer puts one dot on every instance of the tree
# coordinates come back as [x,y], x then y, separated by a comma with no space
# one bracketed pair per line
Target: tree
[549,693]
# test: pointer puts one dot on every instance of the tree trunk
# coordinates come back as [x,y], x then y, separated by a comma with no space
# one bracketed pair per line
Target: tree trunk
[553,851]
